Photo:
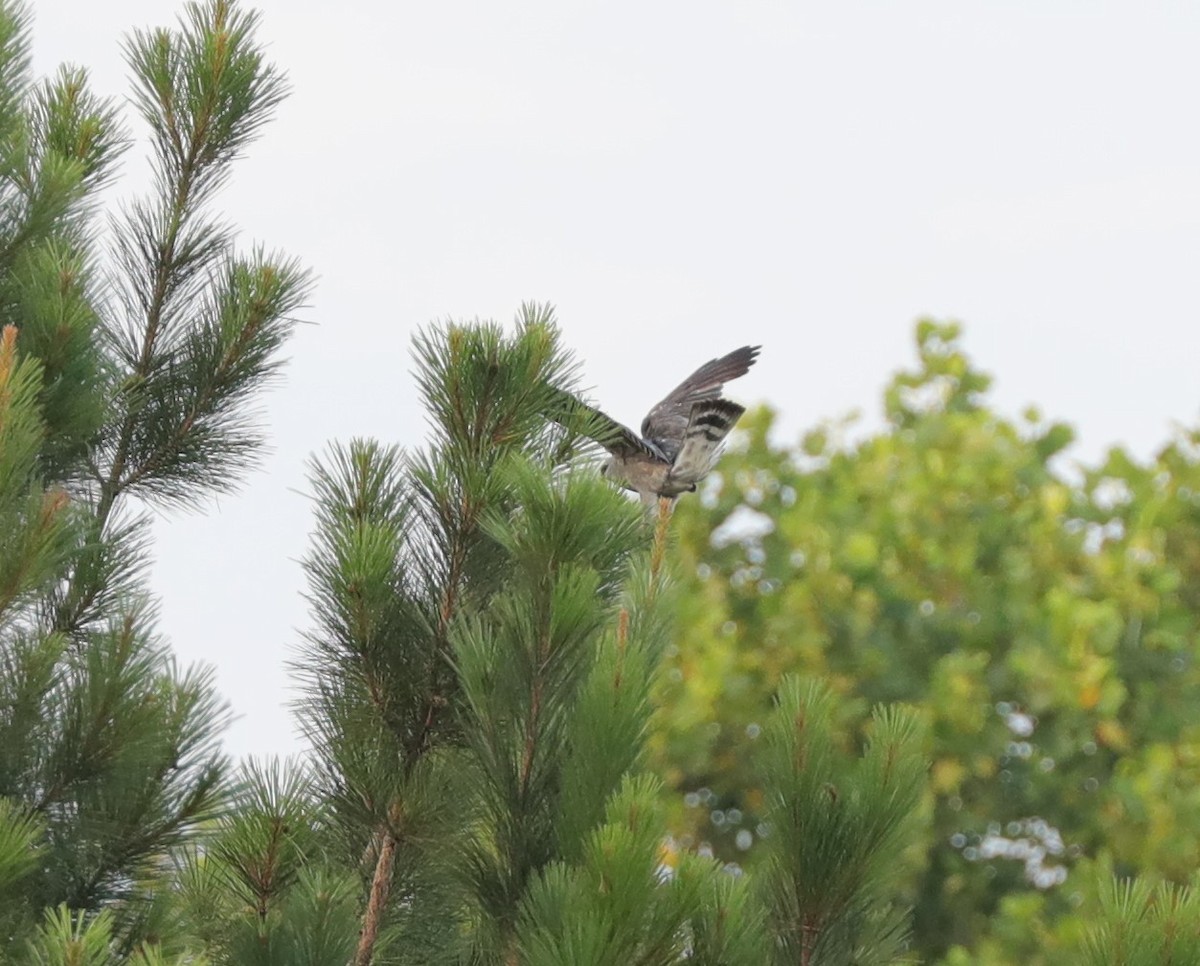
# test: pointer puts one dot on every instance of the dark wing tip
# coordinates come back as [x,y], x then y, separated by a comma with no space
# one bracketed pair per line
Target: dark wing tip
[736,363]
[747,355]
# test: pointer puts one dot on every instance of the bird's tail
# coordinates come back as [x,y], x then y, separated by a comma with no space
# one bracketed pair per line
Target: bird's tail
[709,423]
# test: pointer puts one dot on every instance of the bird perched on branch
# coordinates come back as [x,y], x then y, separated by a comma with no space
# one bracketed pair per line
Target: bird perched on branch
[681,436]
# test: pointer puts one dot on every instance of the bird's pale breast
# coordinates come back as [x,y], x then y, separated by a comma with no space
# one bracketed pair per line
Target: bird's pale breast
[645,475]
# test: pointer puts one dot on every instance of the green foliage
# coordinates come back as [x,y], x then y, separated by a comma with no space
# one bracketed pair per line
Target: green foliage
[58,145]
[67,938]
[466,602]
[21,835]
[136,382]
[202,324]
[1144,925]
[260,890]
[1041,627]
[620,905]
[71,939]
[489,618]
[731,927]
[836,828]
[130,764]
[263,842]
[34,527]
[522,663]
[489,615]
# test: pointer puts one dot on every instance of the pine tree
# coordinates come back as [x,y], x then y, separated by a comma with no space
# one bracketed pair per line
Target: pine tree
[488,617]
[128,356]
[478,680]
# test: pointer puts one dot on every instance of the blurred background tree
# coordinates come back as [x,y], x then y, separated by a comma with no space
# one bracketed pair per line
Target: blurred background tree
[1041,616]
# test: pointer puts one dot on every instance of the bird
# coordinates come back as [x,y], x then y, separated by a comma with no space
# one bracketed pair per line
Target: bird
[680,437]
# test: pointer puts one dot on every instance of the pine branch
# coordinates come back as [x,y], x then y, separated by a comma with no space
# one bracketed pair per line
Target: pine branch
[107,569]
[205,91]
[71,936]
[35,531]
[379,630]
[127,765]
[1142,924]
[838,825]
[15,19]
[72,122]
[54,154]
[48,292]
[108,746]
[617,904]
[193,431]
[265,839]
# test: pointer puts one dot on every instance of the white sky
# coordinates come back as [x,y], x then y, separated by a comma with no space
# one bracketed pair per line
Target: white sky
[680,179]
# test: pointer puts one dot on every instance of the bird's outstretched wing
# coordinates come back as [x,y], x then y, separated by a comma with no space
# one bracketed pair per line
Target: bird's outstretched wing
[577,416]
[667,423]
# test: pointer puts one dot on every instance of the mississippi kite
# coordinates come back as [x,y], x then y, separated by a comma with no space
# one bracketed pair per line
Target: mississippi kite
[681,437]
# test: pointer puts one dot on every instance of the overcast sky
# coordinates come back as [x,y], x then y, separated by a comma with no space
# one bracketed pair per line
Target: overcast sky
[680,179]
